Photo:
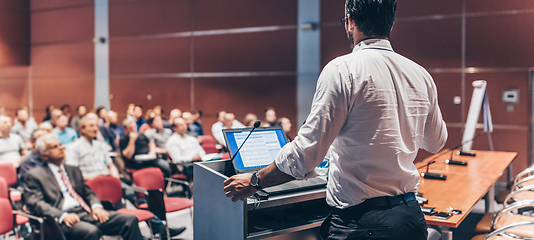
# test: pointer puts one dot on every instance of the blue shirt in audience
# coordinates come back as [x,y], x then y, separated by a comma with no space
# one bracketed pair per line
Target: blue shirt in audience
[66,137]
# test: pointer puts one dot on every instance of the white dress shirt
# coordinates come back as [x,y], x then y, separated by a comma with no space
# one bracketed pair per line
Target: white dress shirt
[183,148]
[375,108]
[91,157]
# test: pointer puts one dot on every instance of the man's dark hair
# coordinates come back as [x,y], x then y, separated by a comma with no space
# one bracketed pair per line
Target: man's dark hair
[374,18]
[98,110]
[79,106]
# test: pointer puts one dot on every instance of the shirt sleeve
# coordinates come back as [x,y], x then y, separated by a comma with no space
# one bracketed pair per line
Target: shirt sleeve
[327,116]
[174,151]
[435,128]
[71,157]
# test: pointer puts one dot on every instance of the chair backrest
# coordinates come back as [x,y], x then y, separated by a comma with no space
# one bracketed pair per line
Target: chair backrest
[208,143]
[9,173]
[107,188]
[6,221]
[4,190]
[149,178]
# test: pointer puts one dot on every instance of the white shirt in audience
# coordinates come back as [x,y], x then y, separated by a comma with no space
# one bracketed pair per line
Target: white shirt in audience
[216,130]
[183,148]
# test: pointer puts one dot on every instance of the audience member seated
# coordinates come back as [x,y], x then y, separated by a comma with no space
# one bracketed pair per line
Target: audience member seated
[138,115]
[114,124]
[196,126]
[270,118]
[157,134]
[102,113]
[65,109]
[81,110]
[56,113]
[33,159]
[24,126]
[137,150]
[175,113]
[12,148]
[228,122]
[92,156]
[286,125]
[48,112]
[188,118]
[66,135]
[130,112]
[69,200]
[183,148]
[158,110]
[149,114]
[250,119]
[46,126]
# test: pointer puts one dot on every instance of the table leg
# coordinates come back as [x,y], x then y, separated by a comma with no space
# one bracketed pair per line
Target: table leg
[489,198]
[509,172]
[446,234]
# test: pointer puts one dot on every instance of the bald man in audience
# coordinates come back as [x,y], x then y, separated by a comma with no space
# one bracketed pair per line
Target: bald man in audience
[188,118]
[228,122]
[66,135]
[12,148]
[175,113]
[54,116]
[46,126]
[184,149]
[114,124]
[33,159]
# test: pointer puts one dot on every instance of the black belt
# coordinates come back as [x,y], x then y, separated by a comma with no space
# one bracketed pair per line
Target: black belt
[380,202]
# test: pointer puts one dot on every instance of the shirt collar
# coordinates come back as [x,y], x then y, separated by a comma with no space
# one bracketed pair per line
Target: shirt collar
[373,43]
[55,168]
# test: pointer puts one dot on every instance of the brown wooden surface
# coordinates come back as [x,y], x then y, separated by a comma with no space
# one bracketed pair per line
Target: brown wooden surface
[465,185]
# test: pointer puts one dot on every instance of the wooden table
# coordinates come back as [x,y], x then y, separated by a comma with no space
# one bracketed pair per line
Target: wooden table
[465,185]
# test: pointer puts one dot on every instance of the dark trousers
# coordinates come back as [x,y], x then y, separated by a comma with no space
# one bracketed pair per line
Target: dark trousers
[404,221]
[118,224]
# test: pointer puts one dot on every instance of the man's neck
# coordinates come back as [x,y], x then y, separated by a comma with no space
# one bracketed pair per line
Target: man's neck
[90,140]
[23,123]
[61,129]
[4,134]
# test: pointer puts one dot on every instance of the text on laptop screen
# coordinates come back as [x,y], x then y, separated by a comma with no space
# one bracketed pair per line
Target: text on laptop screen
[259,150]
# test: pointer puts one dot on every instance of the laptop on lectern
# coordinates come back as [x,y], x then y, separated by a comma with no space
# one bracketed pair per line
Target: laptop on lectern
[259,151]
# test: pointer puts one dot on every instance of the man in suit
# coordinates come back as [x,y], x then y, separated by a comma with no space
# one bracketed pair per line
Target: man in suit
[59,191]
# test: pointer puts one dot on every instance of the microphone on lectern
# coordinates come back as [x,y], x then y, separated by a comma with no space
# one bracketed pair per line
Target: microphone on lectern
[428,175]
[256,125]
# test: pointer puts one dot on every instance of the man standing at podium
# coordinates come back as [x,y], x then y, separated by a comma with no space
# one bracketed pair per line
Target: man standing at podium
[375,108]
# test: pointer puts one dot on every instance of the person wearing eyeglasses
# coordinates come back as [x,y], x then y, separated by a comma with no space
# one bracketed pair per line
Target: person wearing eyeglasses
[374,109]
[59,191]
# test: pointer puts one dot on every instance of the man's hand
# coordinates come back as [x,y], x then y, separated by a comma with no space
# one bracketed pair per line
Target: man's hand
[238,187]
[197,158]
[133,136]
[70,219]
[100,214]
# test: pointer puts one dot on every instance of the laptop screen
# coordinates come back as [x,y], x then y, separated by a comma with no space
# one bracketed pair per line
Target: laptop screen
[258,151]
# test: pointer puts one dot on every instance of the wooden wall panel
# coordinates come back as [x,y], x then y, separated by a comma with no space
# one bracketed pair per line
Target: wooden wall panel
[432,44]
[498,5]
[221,14]
[43,5]
[63,25]
[14,33]
[511,47]
[263,51]
[60,91]
[63,60]
[13,94]
[412,8]
[164,55]
[127,18]
[169,93]
[447,85]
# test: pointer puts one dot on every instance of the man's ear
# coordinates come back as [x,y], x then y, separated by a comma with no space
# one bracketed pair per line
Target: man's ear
[351,24]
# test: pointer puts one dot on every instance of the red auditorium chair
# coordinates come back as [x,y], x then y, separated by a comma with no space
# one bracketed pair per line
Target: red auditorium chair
[9,173]
[109,189]
[208,143]
[152,184]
